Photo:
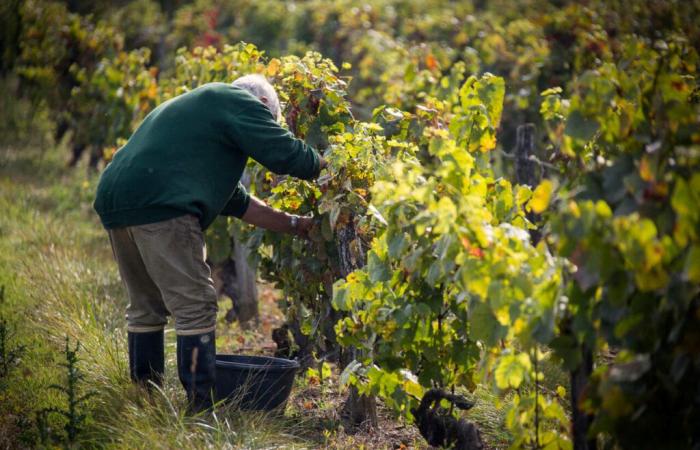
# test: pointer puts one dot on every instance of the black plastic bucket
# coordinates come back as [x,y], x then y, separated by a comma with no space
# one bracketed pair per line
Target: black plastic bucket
[255,382]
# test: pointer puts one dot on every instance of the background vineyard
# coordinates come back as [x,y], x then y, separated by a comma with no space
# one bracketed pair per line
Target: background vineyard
[562,276]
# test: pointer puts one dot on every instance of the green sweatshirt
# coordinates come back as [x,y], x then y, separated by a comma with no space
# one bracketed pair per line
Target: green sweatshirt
[188,155]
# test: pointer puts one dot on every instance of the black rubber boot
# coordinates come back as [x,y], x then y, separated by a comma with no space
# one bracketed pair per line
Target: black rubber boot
[196,366]
[147,357]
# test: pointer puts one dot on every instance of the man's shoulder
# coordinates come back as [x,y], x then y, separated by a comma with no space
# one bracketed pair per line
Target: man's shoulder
[207,99]
[226,90]
[230,98]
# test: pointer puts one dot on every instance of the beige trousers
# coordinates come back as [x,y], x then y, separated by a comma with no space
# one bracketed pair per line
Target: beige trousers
[163,266]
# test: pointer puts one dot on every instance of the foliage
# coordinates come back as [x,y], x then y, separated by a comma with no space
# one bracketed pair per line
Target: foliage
[111,99]
[57,49]
[632,126]
[143,24]
[452,282]
[207,64]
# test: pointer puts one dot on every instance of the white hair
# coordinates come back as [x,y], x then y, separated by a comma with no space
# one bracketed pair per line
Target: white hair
[260,87]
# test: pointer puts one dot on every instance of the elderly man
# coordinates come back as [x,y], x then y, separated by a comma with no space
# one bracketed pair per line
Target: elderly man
[178,171]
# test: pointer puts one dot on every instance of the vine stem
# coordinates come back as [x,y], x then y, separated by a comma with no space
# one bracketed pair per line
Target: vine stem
[537,406]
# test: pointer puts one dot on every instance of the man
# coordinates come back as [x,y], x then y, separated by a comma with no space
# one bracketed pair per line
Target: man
[178,171]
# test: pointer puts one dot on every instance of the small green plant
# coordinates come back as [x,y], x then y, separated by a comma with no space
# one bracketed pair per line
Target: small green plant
[10,354]
[72,415]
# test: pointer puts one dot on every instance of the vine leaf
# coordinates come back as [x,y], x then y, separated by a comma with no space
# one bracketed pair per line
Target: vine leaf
[580,127]
[512,370]
[541,196]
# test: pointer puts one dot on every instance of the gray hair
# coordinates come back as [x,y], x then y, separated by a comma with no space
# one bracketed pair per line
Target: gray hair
[260,87]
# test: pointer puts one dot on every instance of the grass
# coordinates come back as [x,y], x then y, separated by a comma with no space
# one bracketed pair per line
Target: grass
[60,279]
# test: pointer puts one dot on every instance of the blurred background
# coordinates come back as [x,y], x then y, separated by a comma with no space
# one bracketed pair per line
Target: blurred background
[395,52]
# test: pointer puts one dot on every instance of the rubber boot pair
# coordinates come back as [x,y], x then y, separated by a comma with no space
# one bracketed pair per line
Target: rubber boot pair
[196,364]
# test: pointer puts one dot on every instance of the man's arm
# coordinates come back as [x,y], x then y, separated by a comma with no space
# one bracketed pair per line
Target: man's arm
[261,215]
[259,136]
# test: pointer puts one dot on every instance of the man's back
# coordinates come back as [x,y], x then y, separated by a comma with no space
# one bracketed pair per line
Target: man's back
[188,155]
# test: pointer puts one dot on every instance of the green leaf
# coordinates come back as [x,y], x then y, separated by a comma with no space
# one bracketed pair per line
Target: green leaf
[397,244]
[327,228]
[580,127]
[682,199]
[349,372]
[692,264]
[512,370]
[412,388]
[377,215]
[561,391]
[489,91]
[484,326]
[340,296]
[218,240]
[433,273]
[378,269]
[523,193]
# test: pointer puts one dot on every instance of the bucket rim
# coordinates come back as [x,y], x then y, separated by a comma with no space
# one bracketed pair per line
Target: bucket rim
[275,364]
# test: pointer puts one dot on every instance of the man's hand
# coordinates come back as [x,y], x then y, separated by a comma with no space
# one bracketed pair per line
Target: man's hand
[322,163]
[303,226]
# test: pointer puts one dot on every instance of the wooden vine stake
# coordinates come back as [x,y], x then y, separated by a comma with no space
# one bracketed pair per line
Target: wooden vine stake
[525,147]
[581,421]
[525,167]
[359,409]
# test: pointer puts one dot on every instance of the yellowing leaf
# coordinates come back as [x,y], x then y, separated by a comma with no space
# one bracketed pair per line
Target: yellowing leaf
[574,209]
[273,67]
[645,170]
[152,91]
[512,370]
[430,62]
[561,391]
[541,196]
[413,388]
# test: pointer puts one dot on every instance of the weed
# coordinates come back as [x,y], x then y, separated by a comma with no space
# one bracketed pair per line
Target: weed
[74,418]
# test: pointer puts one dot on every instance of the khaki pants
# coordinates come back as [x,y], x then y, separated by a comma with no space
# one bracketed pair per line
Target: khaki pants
[165,273]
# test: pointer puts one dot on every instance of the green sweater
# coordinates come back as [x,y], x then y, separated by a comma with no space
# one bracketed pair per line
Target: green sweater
[188,155]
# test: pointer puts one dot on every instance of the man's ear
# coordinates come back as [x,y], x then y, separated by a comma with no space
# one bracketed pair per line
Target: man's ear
[265,100]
